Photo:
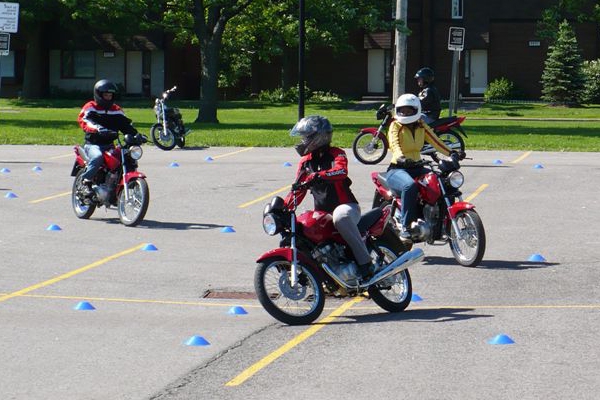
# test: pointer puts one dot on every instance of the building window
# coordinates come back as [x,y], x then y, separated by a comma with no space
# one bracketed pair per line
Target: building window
[7,65]
[78,64]
[457,9]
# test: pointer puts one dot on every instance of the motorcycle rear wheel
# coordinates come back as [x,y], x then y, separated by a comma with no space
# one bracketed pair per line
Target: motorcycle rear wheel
[162,140]
[293,306]
[132,212]
[82,210]
[453,140]
[394,293]
[469,250]
[369,149]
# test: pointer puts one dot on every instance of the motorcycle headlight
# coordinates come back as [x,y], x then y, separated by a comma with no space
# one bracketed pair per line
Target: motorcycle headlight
[270,224]
[456,179]
[136,152]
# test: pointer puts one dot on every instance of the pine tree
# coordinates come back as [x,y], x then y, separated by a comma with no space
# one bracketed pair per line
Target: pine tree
[563,80]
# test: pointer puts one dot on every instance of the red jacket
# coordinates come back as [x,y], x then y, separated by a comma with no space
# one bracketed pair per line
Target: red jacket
[93,119]
[332,188]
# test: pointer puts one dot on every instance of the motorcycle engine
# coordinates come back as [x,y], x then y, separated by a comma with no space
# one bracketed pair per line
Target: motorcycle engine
[333,254]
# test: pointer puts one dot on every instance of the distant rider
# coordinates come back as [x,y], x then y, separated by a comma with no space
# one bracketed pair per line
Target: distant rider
[429,95]
[325,168]
[101,120]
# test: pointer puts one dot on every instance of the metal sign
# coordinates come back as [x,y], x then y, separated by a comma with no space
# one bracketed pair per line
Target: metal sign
[456,38]
[9,17]
[4,44]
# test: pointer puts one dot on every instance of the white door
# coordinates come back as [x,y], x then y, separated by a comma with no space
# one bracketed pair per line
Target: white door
[134,72]
[376,71]
[479,71]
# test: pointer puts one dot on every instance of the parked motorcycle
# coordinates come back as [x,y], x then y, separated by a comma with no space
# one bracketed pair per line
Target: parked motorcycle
[370,146]
[169,130]
[313,260]
[444,216]
[118,183]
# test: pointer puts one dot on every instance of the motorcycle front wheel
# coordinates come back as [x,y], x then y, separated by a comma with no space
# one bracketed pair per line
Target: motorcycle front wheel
[469,249]
[81,209]
[369,149]
[132,212]
[299,305]
[394,293]
[163,140]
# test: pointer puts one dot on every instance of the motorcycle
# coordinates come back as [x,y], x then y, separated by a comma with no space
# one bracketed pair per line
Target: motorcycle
[370,146]
[313,260]
[118,182]
[169,130]
[444,216]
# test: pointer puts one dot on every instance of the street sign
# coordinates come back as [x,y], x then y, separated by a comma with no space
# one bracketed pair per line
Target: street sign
[4,43]
[9,17]
[456,38]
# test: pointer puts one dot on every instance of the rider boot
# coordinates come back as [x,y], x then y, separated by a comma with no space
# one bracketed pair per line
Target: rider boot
[366,271]
[86,188]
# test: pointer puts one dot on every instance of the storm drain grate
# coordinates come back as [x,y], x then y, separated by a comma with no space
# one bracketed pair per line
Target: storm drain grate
[222,294]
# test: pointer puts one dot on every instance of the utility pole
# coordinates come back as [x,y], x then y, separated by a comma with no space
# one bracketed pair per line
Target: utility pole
[400,56]
[301,45]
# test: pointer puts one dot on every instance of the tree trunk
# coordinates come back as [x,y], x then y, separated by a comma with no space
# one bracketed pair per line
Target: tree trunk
[33,76]
[209,83]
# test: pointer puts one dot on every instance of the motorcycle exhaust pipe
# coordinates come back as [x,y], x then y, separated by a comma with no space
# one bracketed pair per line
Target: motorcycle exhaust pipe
[398,265]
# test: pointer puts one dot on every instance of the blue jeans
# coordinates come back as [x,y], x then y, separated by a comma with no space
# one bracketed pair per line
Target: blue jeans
[94,153]
[403,181]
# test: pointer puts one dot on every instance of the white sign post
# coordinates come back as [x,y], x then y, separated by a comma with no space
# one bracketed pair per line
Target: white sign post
[9,17]
[456,43]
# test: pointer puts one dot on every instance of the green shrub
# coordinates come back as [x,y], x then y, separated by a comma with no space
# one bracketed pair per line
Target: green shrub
[291,95]
[591,89]
[499,89]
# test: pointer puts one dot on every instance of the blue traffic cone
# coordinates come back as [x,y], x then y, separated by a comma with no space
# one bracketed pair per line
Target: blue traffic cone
[173,165]
[37,168]
[53,227]
[197,341]
[84,306]
[497,161]
[416,297]
[5,170]
[501,339]
[287,164]
[209,158]
[538,166]
[237,310]
[149,247]
[11,195]
[227,229]
[536,258]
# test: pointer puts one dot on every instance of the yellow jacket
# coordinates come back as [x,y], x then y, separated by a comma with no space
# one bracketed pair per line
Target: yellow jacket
[408,145]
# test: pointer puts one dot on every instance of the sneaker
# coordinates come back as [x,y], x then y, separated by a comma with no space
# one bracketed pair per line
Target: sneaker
[405,233]
[366,271]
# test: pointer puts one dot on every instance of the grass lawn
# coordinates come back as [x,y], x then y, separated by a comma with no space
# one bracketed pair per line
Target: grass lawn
[252,123]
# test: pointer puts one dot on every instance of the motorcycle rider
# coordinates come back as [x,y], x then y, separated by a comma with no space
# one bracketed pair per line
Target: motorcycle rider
[101,120]
[407,135]
[429,95]
[325,169]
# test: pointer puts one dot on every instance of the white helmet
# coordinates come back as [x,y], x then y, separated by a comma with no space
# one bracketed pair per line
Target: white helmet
[408,116]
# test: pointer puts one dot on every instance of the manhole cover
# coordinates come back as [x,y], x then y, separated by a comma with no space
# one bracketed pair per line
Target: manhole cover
[222,294]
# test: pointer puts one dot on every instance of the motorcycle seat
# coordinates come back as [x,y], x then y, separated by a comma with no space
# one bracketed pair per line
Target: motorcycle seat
[368,219]
[443,121]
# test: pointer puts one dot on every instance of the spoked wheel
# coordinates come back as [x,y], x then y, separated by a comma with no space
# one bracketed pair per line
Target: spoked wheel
[298,305]
[132,211]
[469,249]
[394,293]
[369,149]
[163,140]
[453,140]
[80,204]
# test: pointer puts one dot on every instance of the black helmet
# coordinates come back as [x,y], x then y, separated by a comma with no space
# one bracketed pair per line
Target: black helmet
[426,73]
[104,86]
[315,131]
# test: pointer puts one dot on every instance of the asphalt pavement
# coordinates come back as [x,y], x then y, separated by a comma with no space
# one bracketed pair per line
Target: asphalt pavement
[536,287]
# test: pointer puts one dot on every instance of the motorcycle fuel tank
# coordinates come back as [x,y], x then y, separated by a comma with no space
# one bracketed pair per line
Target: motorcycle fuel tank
[429,188]
[112,159]
[318,226]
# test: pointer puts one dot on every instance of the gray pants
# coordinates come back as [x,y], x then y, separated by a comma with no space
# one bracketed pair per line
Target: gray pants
[345,220]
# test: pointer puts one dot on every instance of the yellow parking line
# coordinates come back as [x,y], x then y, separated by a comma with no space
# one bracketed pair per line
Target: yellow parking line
[233,152]
[63,156]
[475,193]
[49,197]
[69,274]
[253,369]
[521,158]
[266,196]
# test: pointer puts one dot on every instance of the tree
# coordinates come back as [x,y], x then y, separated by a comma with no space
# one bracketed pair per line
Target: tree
[562,79]
[580,10]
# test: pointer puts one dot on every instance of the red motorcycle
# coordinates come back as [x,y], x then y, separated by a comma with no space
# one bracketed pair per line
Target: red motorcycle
[444,216]
[370,146]
[118,182]
[313,260]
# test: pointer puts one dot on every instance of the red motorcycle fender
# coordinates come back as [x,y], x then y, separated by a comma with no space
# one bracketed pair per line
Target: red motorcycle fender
[134,174]
[372,131]
[286,253]
[459,206]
